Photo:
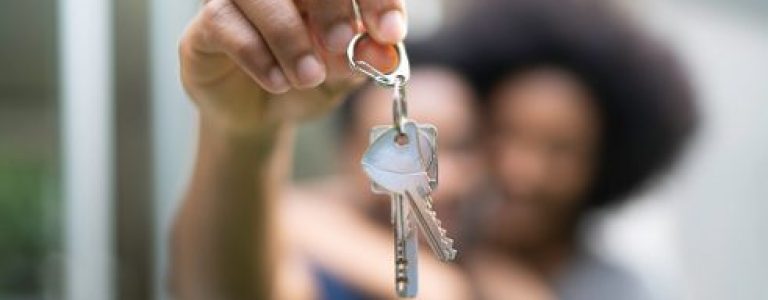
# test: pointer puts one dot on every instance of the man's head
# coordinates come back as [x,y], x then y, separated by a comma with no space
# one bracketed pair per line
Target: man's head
[436,96]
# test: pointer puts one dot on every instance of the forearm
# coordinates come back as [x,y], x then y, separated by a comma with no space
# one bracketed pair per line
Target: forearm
[222,236]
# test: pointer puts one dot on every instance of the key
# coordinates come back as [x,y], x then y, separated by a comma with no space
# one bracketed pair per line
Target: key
[400,168]
[405,236]
[405,170]
[421,206]
[406,249]
[427,146]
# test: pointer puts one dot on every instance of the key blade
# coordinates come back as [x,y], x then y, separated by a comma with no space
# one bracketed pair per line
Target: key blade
[434,234]
[406,247]
[411,252]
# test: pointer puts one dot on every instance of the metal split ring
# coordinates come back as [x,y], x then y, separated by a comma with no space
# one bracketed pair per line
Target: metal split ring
[399,107]
[395,80]
[400,75]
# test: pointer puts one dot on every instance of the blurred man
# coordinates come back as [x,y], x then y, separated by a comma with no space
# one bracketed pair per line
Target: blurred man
[339,225]
[254,68]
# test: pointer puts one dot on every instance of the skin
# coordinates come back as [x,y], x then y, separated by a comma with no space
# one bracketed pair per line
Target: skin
[342,204]
[254,68]
[542,145]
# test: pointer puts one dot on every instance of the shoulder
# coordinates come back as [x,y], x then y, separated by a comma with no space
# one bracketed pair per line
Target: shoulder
[590,277]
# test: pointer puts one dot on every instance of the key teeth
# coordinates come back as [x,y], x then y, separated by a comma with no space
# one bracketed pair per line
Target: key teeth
[448,255]
[447,242]
[447,252]
[452,254]
[442,230]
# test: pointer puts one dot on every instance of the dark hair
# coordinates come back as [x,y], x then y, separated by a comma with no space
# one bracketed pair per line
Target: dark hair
[646,104]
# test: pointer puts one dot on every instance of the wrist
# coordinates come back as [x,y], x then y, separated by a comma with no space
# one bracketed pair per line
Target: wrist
[233,130]
[251,144]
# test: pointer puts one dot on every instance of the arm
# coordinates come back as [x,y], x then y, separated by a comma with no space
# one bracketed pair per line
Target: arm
[222,231]
[253,69]
[342,240]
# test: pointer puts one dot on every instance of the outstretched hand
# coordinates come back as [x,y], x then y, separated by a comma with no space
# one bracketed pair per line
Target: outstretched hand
[251,63]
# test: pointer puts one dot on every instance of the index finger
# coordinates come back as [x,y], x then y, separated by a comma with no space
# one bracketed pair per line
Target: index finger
[284,30]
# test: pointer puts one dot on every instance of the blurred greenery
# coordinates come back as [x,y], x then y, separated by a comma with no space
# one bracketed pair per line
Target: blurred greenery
[26,231]
[29,206]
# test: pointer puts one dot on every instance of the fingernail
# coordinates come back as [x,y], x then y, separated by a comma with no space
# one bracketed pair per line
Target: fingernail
[278,80]
[310,72]
[392,26]
[338,36]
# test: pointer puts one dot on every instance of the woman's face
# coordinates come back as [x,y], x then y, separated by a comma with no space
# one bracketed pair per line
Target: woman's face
[542,143]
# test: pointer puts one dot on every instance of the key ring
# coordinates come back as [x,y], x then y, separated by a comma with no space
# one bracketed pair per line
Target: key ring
[399,106]
[397,77]
[395,80]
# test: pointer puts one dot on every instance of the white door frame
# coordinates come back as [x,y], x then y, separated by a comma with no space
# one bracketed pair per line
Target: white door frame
[87,147]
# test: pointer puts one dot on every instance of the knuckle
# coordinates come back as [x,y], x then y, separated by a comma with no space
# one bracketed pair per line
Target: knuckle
[244,49]
[252,53]
[250,59]
[282,34]
[183,46]
[331,16]
[215,13]
[288,36]
[195,36]
[292,46]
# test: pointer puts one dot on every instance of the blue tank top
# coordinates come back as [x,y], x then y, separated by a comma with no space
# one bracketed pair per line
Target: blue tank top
[331,288]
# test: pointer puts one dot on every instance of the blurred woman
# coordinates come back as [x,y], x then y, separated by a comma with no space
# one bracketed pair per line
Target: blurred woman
[581,109]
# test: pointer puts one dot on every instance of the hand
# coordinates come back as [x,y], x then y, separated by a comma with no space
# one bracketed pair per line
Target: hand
[251,63]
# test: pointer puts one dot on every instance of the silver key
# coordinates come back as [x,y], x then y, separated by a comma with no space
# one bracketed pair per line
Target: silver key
[400,168]
[405,236]
[408,172]
[427,147]
[406,248]
[421,206]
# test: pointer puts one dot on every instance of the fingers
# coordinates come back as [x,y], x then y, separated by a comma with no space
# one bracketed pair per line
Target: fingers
[222,28]
[283,29]
[384,19]
[333,21]
[271,42]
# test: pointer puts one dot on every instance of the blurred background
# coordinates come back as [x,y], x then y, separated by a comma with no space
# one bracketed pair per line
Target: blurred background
[96,141]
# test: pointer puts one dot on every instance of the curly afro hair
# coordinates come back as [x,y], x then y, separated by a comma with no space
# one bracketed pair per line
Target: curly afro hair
[646,104]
